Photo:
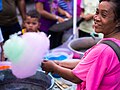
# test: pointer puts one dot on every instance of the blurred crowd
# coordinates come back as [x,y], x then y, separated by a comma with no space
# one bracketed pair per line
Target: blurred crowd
[51,12]
[99,68]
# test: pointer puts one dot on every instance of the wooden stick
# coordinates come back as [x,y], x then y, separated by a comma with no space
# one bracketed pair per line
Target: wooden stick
[49,36]
[63,85]
[59,85]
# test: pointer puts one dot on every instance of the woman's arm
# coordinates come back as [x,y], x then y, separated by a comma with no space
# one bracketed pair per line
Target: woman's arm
[22,8]
[63,12]
[50,66]
[68,63]
[45,14]
[88,17]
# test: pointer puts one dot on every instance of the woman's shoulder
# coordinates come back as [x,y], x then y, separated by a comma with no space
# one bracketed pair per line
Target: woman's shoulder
[114,40]
[99,49]
[104,48]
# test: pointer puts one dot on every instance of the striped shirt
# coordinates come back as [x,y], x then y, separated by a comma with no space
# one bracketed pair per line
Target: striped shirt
[67,6]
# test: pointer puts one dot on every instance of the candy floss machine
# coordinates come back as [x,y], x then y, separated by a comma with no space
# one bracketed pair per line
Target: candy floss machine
[39,81]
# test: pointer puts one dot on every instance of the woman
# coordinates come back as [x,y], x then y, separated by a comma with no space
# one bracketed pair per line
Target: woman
[95,71]
[49,11]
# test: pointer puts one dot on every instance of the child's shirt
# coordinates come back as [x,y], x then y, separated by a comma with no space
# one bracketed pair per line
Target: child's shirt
[24,31]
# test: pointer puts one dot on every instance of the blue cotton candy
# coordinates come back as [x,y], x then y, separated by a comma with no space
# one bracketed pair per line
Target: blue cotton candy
[61,57]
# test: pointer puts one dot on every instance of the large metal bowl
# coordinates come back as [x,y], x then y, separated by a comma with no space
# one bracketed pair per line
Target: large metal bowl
[80,45]
[40,81]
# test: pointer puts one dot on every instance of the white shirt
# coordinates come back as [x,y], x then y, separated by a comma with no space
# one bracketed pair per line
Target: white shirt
[1,37]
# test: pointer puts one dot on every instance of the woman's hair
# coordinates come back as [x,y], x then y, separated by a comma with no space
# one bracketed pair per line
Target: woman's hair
[33,14]
[116,8]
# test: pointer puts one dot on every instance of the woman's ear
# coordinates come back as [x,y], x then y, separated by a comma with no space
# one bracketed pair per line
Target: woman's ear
[118,24]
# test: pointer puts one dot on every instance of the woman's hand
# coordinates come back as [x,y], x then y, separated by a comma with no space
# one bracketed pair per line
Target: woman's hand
[48,66]
[60,19]
[68,15]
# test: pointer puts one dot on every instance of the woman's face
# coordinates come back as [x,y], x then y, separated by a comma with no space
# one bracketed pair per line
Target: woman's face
[104,19]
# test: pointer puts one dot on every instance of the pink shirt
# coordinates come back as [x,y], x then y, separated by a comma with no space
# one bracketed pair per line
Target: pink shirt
[99,69]
[78,7]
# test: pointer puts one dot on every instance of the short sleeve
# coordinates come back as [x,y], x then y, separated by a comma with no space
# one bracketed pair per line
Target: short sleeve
[97,63]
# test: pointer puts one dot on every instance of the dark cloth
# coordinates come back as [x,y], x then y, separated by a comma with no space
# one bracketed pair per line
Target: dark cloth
[8,30]
[55,39]
[83,34]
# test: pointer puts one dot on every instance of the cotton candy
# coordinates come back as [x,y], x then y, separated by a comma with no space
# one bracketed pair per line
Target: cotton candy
[36,46]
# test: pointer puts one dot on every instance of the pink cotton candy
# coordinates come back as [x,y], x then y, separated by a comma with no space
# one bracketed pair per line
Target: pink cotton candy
[37,46]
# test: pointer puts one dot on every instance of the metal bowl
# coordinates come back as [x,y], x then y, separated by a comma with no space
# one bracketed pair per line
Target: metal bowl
[40,81]
[80,45]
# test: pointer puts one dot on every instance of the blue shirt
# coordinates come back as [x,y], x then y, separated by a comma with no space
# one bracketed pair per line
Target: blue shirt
[67,6]
[1,5]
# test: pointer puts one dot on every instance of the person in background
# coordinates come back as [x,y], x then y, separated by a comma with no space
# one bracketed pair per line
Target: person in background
[79,7]
[66,5]
[8,17]
[31,23]
[49,11]
[85,28]
[95,71]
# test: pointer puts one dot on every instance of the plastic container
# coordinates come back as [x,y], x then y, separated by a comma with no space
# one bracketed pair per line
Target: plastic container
[5,65]
[65,51]
[59,54]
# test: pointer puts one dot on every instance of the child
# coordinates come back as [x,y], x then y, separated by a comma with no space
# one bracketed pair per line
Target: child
[31,22]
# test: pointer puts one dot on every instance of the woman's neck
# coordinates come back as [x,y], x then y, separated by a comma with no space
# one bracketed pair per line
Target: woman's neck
[115,34]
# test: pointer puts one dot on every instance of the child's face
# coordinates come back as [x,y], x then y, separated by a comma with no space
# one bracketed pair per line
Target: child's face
[32,24]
